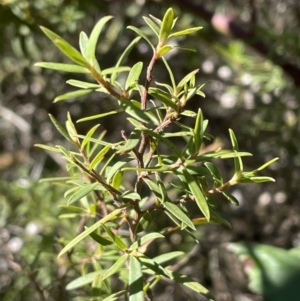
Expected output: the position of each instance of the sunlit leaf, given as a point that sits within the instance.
(89, 230)
(63, 67)
(84, 280)
(166, 26)
(116, 266)
(198, 194)
(179, 214)
(73, 94)
(82, 192)
(82, 84)
(184, 32)
(140, 33)
(60, 128)
(133, 76)
(148, 237)
(91, 48)
(152, 25)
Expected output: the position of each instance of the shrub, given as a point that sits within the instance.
(160, 165)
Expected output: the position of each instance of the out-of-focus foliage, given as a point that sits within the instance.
(248, 91)
(273, 272)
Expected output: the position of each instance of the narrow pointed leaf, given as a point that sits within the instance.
(185, 32)
(82, 84)
(115, 238)
(164, 97)
(48, 147)
(145, 239)
(82, 192)
(115, 296)
(100, 239)
(100, 115)
(63, 67)
(193, 285)
(60, 128)
(116, 266)
(65, 47)
(197, 193)
(99, 157)
(84, 280)
(73, 94)
(179, 214)
(238, 164)
(131, 143)
(167, 257)
(136, 282)
(134, 111)
(140, 33)
(83, 44)
(90, 133)
(166, 26)
(133, 76)
(152, 25)
(123, 57)
(170, 73)
(164, 50)
(91, 48)
(89, 230)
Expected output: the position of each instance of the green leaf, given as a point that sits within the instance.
(83, 44)
(83, 280)
(89, 230)
(193, 285)
(115, 238)
(167, 257)
(115, 296)
(198, 132)
(91, 48)
(133, 76)
(231, 198)
(153, 266)
(197, 193)
(89, 134)
(184, 32)
(141, 241)
(165, 141)
(134, 111)
(141, 33)
(117, 179)
(48, 147)
(73, 94)
(82, 84)
(144, 222)
(100, 115)
(166, 26)
(131, 143)
(112, 70)
(63, 67)
(164, 97)
(136, 281)
(100, 239)
(116, 266)
(152, 25)
(170, 73)
(186, 79)
(60, 128)
(131, 195)
(65, 47)
(238, 163)
(82, 192)
(117, 166)
(99, 157)
(179, 214)
(214, 172)
(164, 50)
(123, 57)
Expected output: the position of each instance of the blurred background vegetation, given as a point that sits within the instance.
(248, 55)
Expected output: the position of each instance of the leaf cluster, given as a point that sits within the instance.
(122, 211)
